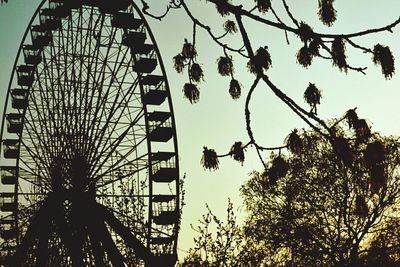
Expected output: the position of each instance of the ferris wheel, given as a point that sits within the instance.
(89, 160)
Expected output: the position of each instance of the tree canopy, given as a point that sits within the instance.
(322, 210)
(315, 207)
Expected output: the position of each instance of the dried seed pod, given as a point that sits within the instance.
(191, 92)
(260, 61)
(362, 129)
(196, 73)
(225, 66)
(209, 160)
(361, 209)
(235, 89)
(293, 142)
(343, 151)
(304, 57)
(279, 166)
(237, 152)
(314, 46)
(338, 54)
(263, 5)
(374, 154)
(230, 26)
(384, 57)
(222, 7)
(326, 12)
(306, 33)
(179, 63)
(188, 50)
(352, 118)
(312, 96)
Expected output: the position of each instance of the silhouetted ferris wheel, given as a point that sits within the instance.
(89, 162)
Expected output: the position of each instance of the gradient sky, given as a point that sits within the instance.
(217, 121)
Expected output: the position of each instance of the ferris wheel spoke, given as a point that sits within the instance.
(44, 121)
(118, 139)
(85, 96)
(119, 177)
(43, 137)
(77, 75)
(110, 149)
(37, 157)
(40, 217)
(111, 110)
(99, 110)
(110, 145)
(97, 247)
(92, 68)
(111, 126)
(51, 68)
(124, 232)
(112, 251)
(139, 225)
(66, 236)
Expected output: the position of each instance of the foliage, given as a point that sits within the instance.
(324, 212)
(219, 249)
(313, 207)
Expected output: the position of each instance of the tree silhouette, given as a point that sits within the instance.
(315, 208)
(219, 249)
(322, 208)
(326, 46)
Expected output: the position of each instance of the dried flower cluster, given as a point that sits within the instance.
(312, 96)
(384, 57)
(343, 151)
(352, 118)
(263, 5)
(304, 56)
(187, 58)
(278, 169)
(362, 129)
(360, 126)
(225, 66)
(191, 92)
(279, 166)
(260, 61)
(237, 152)
(222, 7)
(179, 63)
(314, 45)
(209, 159)
(326, 12)
(235, 89)
(293, 142)
(230, 26)
(306, 33)
(338, 54)
(311, 46)
(188, 50)
(196, 73)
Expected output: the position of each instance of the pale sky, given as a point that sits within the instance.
(217, 121)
